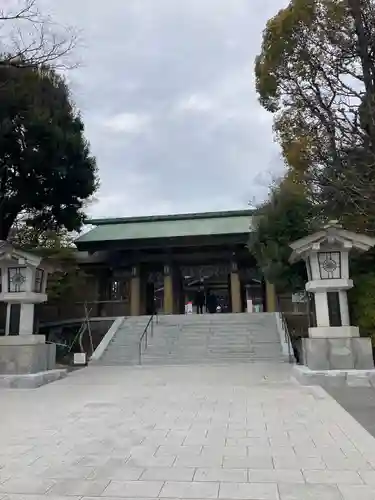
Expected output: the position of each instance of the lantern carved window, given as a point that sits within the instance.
(329, 265)
(17, 279)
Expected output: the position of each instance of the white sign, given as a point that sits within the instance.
(79, 358)
(189, 308)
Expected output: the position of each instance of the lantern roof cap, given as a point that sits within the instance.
(9, 252)
(332, 235)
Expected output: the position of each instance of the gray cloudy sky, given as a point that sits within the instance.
(166, 88)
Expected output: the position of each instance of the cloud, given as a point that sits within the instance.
(195, 103)
(167, 93)
(131, 123)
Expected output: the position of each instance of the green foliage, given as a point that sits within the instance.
(65, 283)
(362, 303)
(362, 296)
(287, 216)
(46, 171)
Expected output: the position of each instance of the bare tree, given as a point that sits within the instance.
(28, 37)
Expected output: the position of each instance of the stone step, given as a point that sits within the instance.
(212, 339)
(206, 361)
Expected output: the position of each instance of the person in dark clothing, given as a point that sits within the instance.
(199, 300)
(211, 303)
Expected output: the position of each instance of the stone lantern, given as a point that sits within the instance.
(333, 343)
(23, 281)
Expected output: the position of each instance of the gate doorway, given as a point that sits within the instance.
(213, 281)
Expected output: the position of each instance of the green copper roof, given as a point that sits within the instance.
(168, 226)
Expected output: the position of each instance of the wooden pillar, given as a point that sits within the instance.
(235, 287)
(135, 292)
(270, 297)
(168, 289)
(176, 279)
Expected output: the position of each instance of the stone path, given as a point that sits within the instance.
(194, 432)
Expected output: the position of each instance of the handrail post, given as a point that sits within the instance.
(288, 338)
(145, 336)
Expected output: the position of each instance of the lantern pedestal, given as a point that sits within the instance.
(25, 354)
(346, 353)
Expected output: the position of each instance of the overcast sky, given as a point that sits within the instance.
(166, 88)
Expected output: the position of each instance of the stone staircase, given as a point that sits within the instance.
(123, 348)
(198, 339)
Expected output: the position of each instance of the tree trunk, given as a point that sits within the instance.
(368, 67)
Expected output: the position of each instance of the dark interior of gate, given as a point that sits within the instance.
(212, 279)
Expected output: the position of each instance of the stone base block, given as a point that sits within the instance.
(330, 379)
(333, 332)
(26, 359)
(338, 353)
(363, 355)
(22, 340)
(31, 380)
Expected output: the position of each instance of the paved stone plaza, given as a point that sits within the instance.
(227, 432)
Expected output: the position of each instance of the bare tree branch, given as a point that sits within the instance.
(30, 38)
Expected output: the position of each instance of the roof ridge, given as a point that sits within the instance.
(183, 216)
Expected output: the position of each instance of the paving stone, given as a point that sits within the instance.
(69, 472)
(145, 489)
(332, 477)
(311, 492)
(93, 460)
(38, 497)
(222, 475)
(122, 473)
(248, 441)
(368, 477)
(229, 451)
(236, 433)
(200, 461)
(244, 491)
(26, 485)
(168, 474)
(275, 476)
(74, 487)
(106, 498)
(179, 451)
(145, 462)
(285, 462)
(357, 492)
(259, 461)
(196, 490)
(347, 464)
